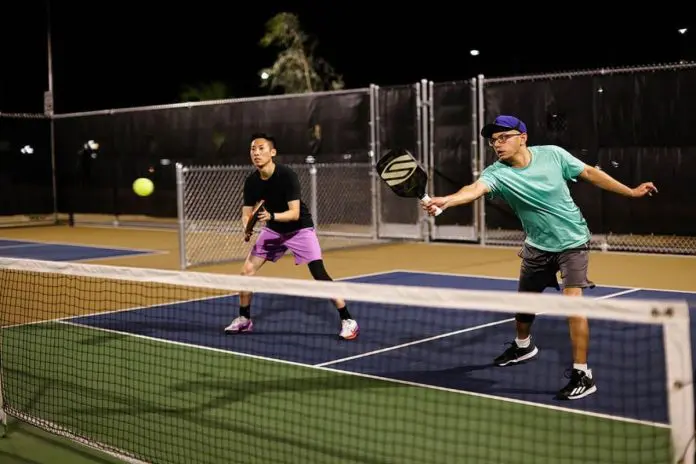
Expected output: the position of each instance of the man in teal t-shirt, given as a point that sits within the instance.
(539, 195)
(534, 182)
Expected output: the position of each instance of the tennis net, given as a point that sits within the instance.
(134, 362)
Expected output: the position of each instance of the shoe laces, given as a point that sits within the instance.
(513, 346)
(573, 374)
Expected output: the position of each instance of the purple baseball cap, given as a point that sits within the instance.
(501, 124)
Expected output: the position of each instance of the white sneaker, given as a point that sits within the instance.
(349, 329)
(240, 324)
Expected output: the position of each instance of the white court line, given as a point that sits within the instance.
(159, 305)
(114, 311)
(136, 252)
(130, 255)
(171, 228)
(513, 247)
(375, 377)
(80, 245)
(449, 334)
(23, 245)
(488, 277)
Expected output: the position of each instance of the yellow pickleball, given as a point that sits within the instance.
(143, 187)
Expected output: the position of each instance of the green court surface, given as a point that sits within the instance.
(182, 404)
(25, 444)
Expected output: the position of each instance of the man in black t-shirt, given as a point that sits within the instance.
(289, 227)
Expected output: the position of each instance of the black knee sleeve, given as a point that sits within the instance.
(525, 318)
(318, 271)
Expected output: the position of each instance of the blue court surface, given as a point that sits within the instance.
(25, 249)
(430, 347)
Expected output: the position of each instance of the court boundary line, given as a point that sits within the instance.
(21, 245)
(157, 305)
(373, 377)
(133, 255)
(449, 334)
(83, 245)
(154, 228)
(476, 276)
(115, 311)
(136, 253)
(476, 245)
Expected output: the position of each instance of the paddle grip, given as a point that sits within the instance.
(425, 198)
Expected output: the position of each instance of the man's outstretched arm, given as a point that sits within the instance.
(467, 194)
(604, 181)
(463, 196)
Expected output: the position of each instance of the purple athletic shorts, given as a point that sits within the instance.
(303, 244)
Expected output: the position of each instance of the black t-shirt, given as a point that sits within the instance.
(282, 187)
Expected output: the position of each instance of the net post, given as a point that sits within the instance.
(680, 388)
(180, 186)
(3, 414)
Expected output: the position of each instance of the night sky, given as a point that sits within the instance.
(127, 53)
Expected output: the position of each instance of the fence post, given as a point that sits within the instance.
(480, 122)
(313, 203)
(180, 186)
(374, 192)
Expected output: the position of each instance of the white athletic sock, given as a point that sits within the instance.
(583, 367)
(523, 343)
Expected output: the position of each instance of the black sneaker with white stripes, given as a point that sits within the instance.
(580, 386)
(516, 354)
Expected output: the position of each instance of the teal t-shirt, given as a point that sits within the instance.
(539, 195)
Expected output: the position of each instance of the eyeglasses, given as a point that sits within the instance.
(501, 138)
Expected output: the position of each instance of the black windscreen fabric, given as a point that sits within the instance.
(148, 143)
(26, 173)
(453, 152)
(634, 126)
(398, 128)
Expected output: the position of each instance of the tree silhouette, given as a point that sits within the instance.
(297, 68)
(215, 90)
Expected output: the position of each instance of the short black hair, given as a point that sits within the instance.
(263, 135)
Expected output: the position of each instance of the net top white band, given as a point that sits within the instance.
(623, 309)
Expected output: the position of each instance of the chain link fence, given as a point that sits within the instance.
(340, 197)
(511, 234)
(633, 123)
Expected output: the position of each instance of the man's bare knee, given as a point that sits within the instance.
(572, 291)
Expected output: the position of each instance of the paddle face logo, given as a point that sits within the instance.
(399, 169)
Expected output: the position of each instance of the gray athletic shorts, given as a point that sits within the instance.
(539, 268)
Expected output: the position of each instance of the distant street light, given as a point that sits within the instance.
(264, 75)
(474, 52)
(682, 31)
